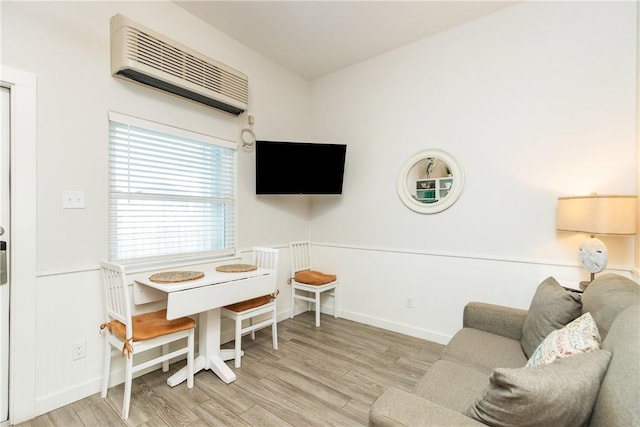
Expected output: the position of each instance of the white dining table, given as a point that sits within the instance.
(204, 297)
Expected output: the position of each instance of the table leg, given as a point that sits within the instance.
(210, 356)
(181, 374)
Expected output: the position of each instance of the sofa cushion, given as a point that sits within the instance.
(484, 350)
(578, 336)
(497, 319)
(618, 402)
(607, 296)
(452, 385)
(551, 308)
(561, 393)
(396, 408)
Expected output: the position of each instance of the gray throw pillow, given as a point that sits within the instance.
(561, 393)
(552, 307)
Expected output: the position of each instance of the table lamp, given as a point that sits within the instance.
(595, 214)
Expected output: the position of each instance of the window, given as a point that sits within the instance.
(172, 192)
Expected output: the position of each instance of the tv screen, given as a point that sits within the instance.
(299, 167)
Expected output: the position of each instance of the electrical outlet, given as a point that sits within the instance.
(409, 302)
(78, 350)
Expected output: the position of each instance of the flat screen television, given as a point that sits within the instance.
(299, 167)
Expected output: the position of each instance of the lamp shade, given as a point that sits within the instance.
(597, 214)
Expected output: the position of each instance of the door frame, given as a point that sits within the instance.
(5, 222)
(22, 301)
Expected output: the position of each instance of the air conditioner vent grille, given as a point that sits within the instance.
(144, 56)
(152, 52)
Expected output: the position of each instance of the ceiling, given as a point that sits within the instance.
(314, 38)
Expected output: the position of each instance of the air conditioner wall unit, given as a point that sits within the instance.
(147, 57)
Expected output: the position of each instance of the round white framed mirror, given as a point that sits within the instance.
(430, 181)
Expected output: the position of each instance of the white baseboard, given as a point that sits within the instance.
(396, 327)
(401, 328)
(64, 397)
(73, 394)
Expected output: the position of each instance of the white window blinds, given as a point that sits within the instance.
(172, 193)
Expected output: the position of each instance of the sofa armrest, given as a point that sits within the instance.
(399, 408)
(497, 319)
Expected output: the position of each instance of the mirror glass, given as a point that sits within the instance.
(430, 181)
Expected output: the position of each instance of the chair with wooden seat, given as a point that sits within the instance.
(304, 278)
(132, 335)
(266, 258)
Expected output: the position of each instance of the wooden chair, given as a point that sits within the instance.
(263, 258)
(304, 278)
(132, 335)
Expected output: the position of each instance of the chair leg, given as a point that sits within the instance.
(238, 344)
(253, 333)
(274, 328)
(128, 377)
(317, 309)
(293, 302)
(106, 370)
(335, 302)
(165, 364)
(190, 343)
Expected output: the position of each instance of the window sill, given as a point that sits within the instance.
(170, 263)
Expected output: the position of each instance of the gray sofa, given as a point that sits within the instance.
(481, 374)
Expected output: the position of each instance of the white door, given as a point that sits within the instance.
(4, 246)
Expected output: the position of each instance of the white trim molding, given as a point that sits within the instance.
(23, 346)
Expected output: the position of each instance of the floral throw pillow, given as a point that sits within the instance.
(578, 336)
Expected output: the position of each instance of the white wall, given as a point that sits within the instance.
(535, 101)
(66, 45)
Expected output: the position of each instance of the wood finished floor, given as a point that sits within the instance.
(319, 376)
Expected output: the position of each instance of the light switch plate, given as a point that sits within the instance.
(73, 199)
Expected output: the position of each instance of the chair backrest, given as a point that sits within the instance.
(300, 255)
(265, 258)
(117, 294)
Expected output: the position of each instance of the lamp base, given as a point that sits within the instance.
(585, 283)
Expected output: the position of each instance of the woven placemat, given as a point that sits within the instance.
(236, 268)
(176, 276)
